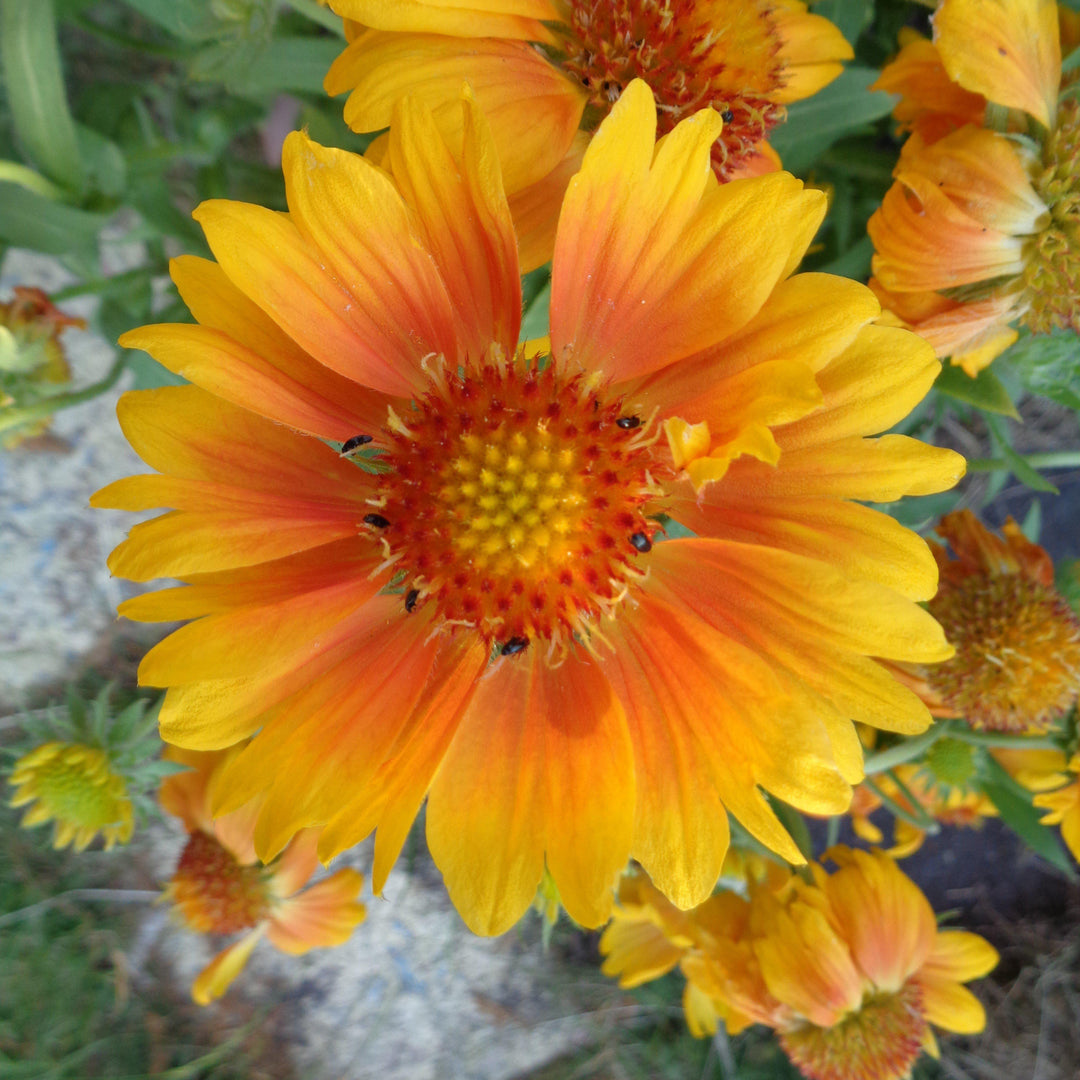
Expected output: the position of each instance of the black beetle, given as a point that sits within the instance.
(349, 445)
(514, 646)
(410, 600)
(628, 423)
(377, 520)
(641, 542)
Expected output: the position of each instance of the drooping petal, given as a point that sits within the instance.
(960, 955)
(320, 917)
(948, 1005)
(541, 769)
(219, 974)
(1007, 50)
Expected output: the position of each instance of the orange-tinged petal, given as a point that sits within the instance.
(320, 917)
(217, 363)
(887, 922)
(960, 955)
(541, 768)
(636, 952)
(520, 19)
(219, 974)
(357, 225)
(463, 220)
(535, 208)
(218, 304)
(533, 109)
(949, 1005)
(185, 795)
(293, 869)
(392, 799)
(642, 273)
(1007, 50)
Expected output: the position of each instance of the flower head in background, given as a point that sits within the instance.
(849, 969)
(546, 72)
(940, 787)
(1017, 662)
(219, 886)
(1063, 804)
(32, 362)
(73, 786)
(981, 230)
(484, 614)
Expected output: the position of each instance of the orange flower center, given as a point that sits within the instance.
(693, 53)
(214, 893)
(882, 1040)
(515, 502)
(1017, 663)
(1052, 274)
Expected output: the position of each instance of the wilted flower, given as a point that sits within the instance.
(982, 228)
(219, 886)
(1017, 662)
(547, 72)
(485, 614)
(32, 362)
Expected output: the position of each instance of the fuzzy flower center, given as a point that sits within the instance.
(692, 53)
(1052, 274)
(1017, 663)
(76, 786)
(881, 1040)
(515, 503)
(213, 892)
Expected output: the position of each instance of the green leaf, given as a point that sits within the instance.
(853, 263)
(1067, 582)
(106, 169)
(842, 108)
(534, 324)
(35, 90)
(1048, 364)
(985, 391)
(297, 64)
(28, 220)
(190, 20)
(1014, 805)
(1020, 468)
(851, 17)
(795, 824)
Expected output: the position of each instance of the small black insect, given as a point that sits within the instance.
(349, 445)
(514, 646)
(727, 116)
(628, 423)
(377, 520)
(641, 542)
(410, 600)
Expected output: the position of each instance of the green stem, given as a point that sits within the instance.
(13, 418)
(1059, 459)
(33, 181)
(103, 284)
(314, 11)
(121, 896)
(1001, 741)
(123, 41)
(930, 825)
(908, 750)
(922, 823)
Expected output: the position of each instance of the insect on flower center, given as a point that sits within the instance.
(1017, 662)
(693, 54)
(515, 503)
(215, 893)
(882, 1039)
(1052, 274)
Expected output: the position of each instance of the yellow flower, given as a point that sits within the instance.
(849, 969)
(982, 228)
(547, 71)
(73, 786)
(1057, 783)
(1017, 662)
(219, 887)
(485, 615)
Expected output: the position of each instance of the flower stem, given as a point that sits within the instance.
(1057, 459)
(121, 896)
(907, 750)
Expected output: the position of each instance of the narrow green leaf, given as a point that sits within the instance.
(535, 322)
(1014, 805)
(795, 824)
(35, 90)
(843, 107)
(28, 220)
(1020, 468)
(297, 64)
(985, 391)
(190, 20)
(103, 160)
